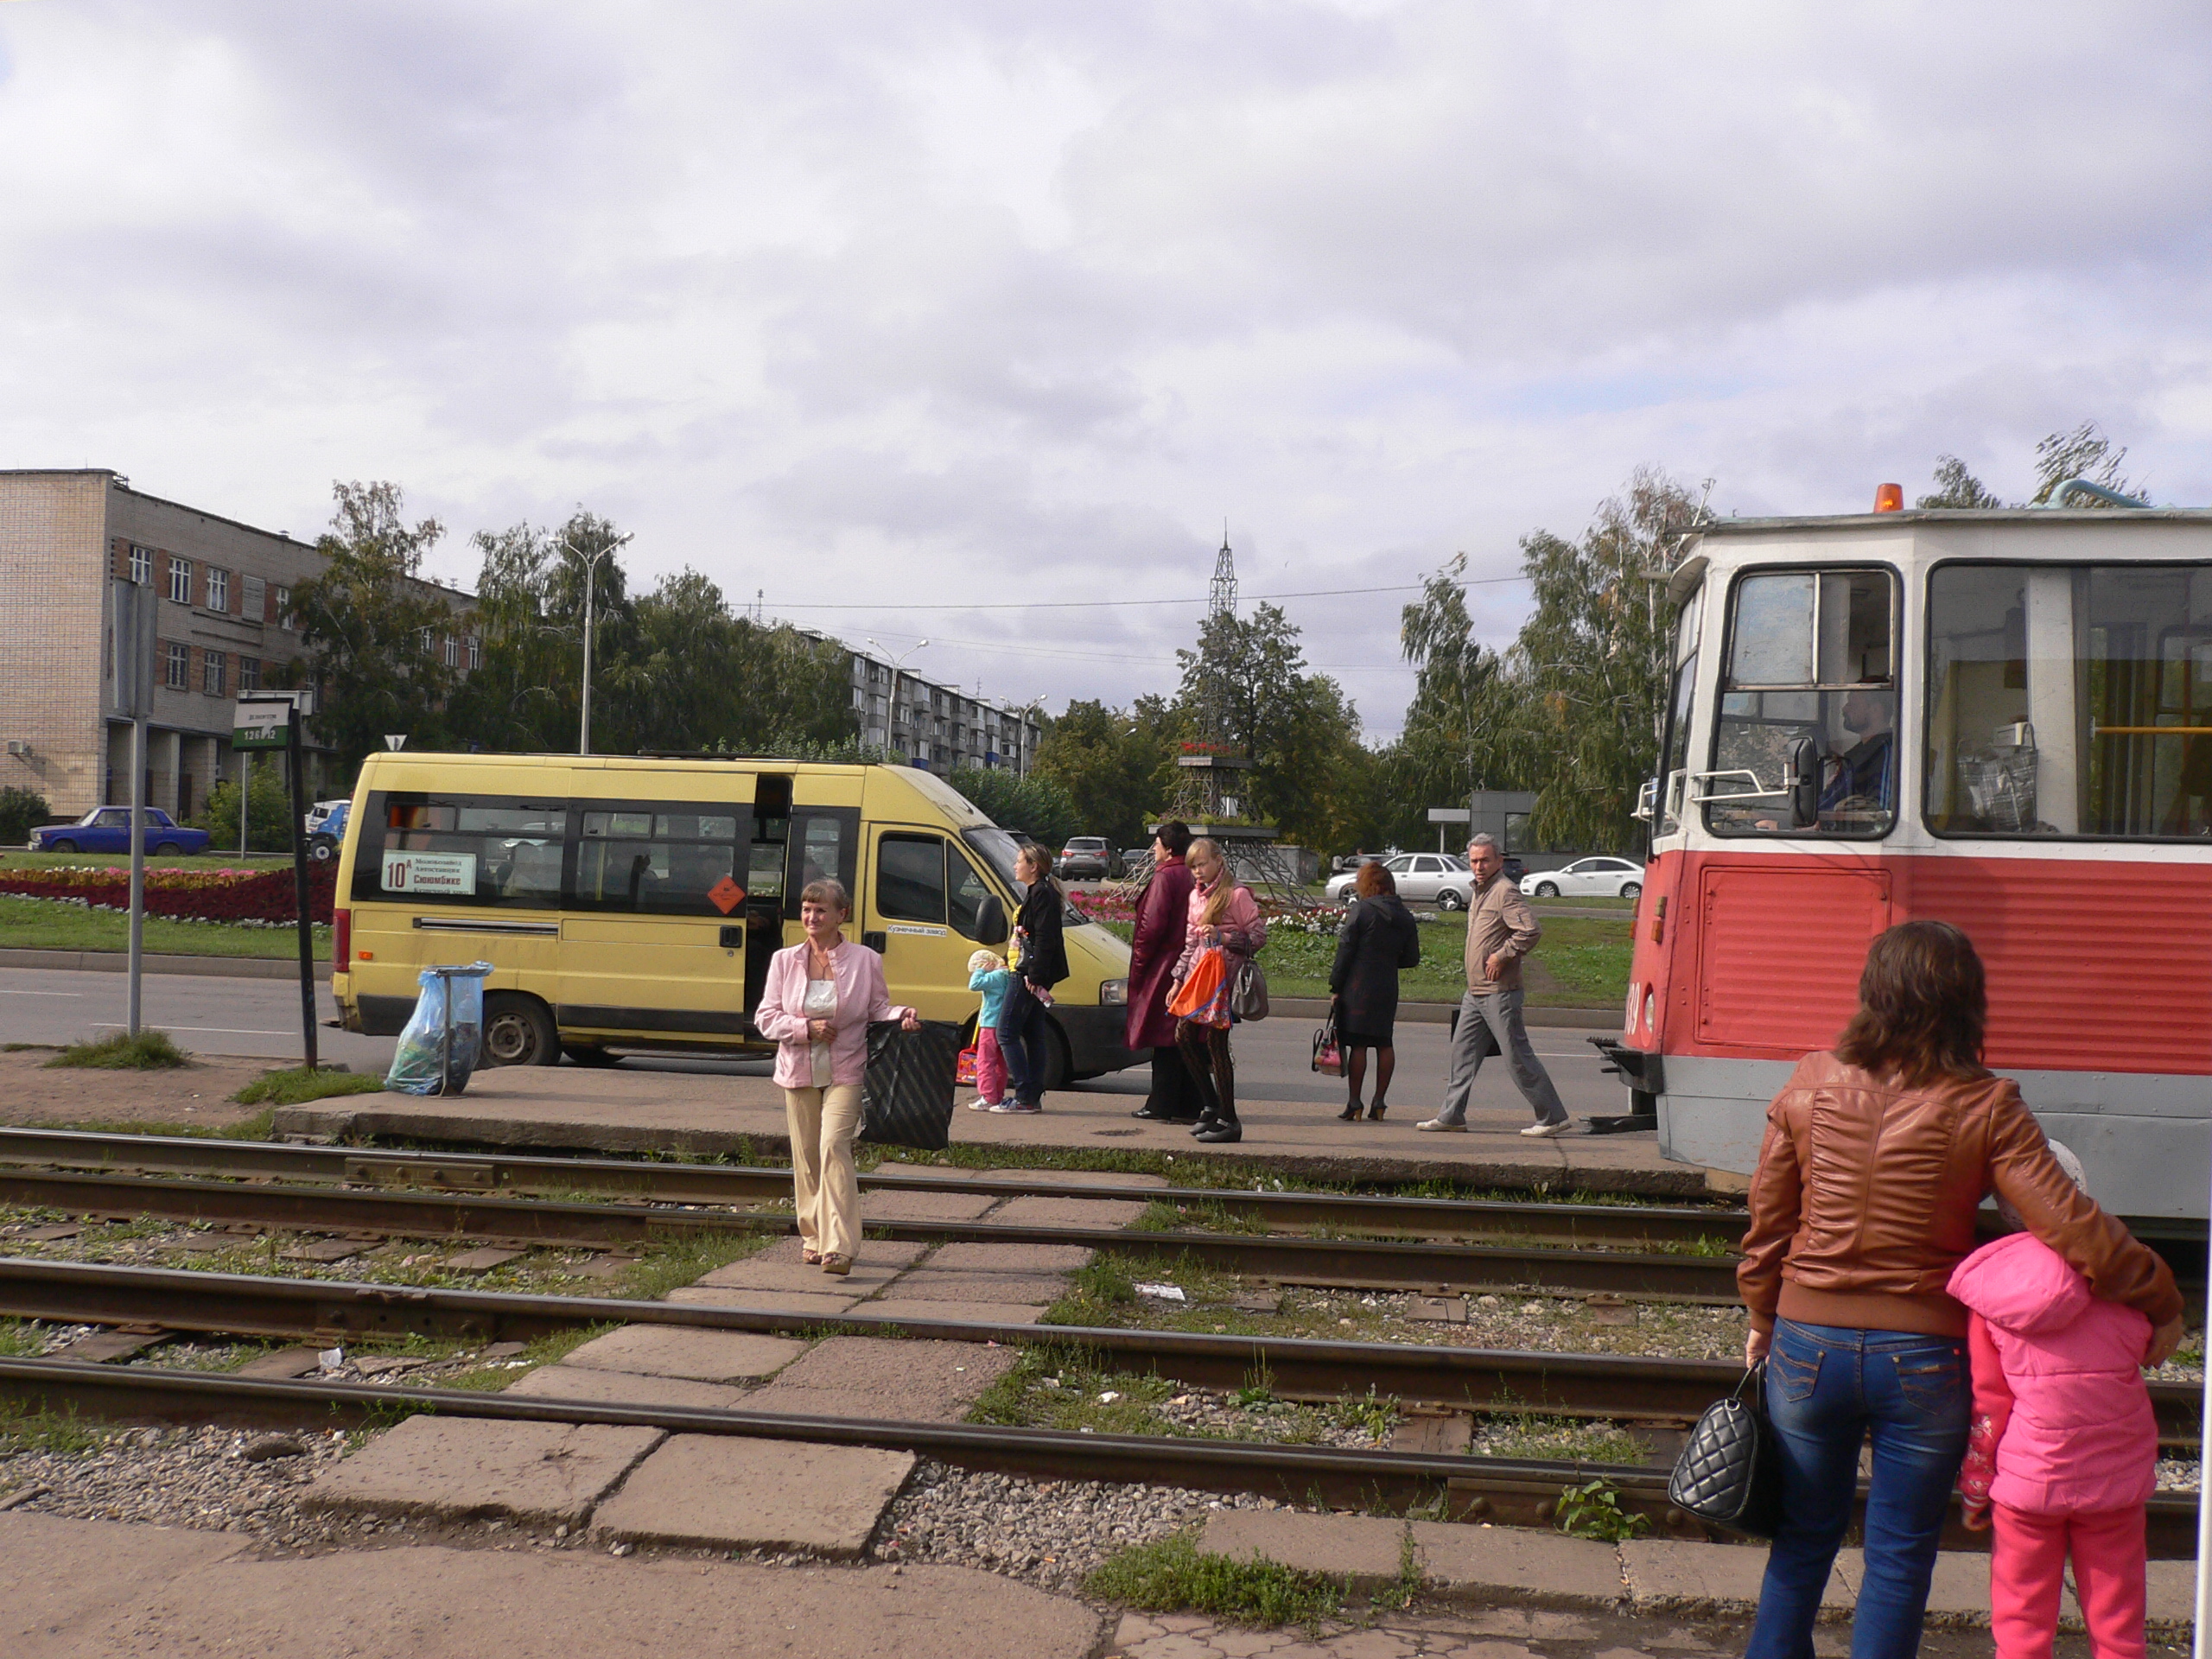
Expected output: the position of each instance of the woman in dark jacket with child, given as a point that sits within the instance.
(1378, 941)
(1027, 1039)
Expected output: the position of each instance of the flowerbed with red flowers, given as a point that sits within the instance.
(261, 898)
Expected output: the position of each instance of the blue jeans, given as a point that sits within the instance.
(1826, 1388)
(1024, 1040)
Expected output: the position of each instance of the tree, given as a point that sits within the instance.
(372, 627)
(22, 811)
(268, 810)
(1462, 730)
(1036, 806)
(2085, 452)
(1114, 766)
(1957, 487)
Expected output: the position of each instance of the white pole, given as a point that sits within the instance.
(583, 736)
(245, 790)
(137, 864)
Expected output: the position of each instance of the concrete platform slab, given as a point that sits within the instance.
(623, 1389)
(1367, 1549)
(1088, 1178)
(1008, 1258)
(877, 1205)
(873, 1253)
(1537, 1569)
(855, 1405)
(924, 1286)
(677, 1351)
(141, 1590)
(770, 1302)
(713, 1492)
(463, 1468)
(916, 1307)
(1698, 1581)
(902, 1376)
(1030, 1212)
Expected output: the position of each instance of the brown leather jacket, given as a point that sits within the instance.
(1864, 1199)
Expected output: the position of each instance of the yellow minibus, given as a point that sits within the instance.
(632, 904)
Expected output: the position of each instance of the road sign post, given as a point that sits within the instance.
(132, 609)
(273, 721)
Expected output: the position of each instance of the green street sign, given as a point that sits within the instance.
(260, 725)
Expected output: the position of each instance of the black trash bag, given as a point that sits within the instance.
(907, 1098)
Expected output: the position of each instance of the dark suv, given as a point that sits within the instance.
(1086, 858)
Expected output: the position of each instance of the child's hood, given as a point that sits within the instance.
(2018, 1283)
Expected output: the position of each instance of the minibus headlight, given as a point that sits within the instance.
(1114, 994)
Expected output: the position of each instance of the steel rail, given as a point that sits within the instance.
(1617, 1387)
(1361, 1264)
(722, 1184)
(1514, 1491)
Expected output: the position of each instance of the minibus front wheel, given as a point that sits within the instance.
(518, 1030)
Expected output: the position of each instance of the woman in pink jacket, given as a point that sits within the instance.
(2064, 1448)
(820, 998)
(1221, 915)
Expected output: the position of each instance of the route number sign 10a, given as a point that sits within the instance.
(447, 873)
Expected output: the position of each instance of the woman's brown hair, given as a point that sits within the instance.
(1224, 887)
(1372, 879)
(1922, 1007)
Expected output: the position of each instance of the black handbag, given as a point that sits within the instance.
(1730, 1470)
(907, 1100)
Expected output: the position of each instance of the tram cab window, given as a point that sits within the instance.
(2069, 700)
(1806, 738)
(1681, 715)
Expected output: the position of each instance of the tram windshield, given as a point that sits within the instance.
(2070, 700)
(1806, 738)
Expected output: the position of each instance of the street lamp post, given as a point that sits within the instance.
(898, 665)
(591, 569)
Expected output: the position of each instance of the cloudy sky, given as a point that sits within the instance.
(904, 304)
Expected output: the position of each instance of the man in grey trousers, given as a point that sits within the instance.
(1501, 930)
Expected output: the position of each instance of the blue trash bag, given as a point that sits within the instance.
(423, 1063)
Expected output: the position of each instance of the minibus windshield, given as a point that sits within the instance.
(999, 850)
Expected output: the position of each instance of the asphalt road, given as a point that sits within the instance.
(261, 1018)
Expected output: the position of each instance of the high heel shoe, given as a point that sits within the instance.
(1351, 1113)
(1206, 1125)
(1223, 1134)
(1374, 1112)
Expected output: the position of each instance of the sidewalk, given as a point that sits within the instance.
(574, 1108)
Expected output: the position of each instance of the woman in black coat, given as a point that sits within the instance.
(1027, 1039)
(1379, 939)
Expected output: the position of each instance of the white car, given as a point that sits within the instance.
(1437, 878)
(1586, 878)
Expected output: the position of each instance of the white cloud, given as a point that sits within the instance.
(909, 302)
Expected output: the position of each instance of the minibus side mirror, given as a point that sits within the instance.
(990, 920)
(1804, 784)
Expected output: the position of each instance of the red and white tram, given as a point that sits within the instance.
(2001, 720)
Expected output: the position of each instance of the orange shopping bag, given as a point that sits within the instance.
(1200, 986)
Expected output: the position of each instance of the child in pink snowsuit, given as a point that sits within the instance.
(2064, 1447)
(987, 973)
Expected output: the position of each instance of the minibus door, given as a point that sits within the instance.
(925, 911)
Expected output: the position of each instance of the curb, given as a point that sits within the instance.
(117, 962)
(1440, 1014)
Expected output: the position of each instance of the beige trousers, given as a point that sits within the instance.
(823, 1122)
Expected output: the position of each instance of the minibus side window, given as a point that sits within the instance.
(462, 849)
(965, 891)
(1809, 679)
(909, 878)
(2069, 700)
(825, 843)
(657, 859)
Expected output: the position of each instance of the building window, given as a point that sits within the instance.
(177, 668)
(284, 618)
(475, 652)
(422, 642)
(142, 565)
(218, 590)
(180, 580)
(453, 651)
(253, 599)
(248, 673)
(212, 680)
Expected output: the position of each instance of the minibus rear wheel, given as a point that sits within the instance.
(518, 1031)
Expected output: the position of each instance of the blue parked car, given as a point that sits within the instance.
(107, 830)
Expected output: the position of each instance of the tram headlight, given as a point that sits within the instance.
(1651, 1011)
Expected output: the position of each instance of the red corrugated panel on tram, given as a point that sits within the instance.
(1781, 951)
(2104, 967)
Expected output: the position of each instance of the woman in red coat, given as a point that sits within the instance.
(1156, 941)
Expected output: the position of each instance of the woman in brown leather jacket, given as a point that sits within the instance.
(1875, 1160)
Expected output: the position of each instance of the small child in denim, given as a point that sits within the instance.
(989, 974)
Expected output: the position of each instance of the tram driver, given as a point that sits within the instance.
(1858, 782)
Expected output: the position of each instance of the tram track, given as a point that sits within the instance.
(1535, 1222)
(1363, 1263)
(1433, 1375)
(1510, 1490)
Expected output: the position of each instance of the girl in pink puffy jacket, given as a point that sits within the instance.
(2064, 1448)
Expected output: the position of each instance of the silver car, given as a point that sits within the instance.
(1586, 878)
(1438, 879)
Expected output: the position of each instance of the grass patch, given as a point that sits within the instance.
(23, 1428)
(546, 1351)
(1171, 1575)
(256, 1127)
(50, 924)
(150, 1051)
(1560, 1440)
(296, 1085)
(1594, 1511)
(681, 1262)
(20, 1340)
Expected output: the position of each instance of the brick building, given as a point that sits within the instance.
(225, 622)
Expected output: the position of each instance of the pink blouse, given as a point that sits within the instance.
(862, 997)
(1241, 931)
